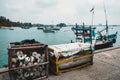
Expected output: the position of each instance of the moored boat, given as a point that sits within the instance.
(87, 34)
(48, 29)
(41, 27)
(56, 28)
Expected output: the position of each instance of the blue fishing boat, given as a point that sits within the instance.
(99, 40)
(87, 34)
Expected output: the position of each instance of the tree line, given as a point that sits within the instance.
(7, 22)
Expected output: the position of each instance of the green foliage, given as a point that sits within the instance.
(6, 22)
(38, 25)
(61, 24)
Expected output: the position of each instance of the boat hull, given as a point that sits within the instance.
(48, 31)
(104, 45)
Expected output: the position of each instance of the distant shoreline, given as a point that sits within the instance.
(7, 27)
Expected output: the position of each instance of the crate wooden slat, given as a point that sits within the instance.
(40, 68)
(58, 62)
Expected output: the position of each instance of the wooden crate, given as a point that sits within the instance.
(60, 64)
(28, 61)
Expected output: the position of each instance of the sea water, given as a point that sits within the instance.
(64, 35)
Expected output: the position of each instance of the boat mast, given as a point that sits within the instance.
(92, 10)
(106, 18)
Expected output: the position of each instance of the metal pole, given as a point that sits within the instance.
(92, 18)
(106, 18)
(91, 34)
(84, 32)
(91, 25)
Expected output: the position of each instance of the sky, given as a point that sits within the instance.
(57, 11)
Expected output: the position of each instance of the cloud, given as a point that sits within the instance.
(55, 11)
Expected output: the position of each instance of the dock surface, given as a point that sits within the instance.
(106, 66)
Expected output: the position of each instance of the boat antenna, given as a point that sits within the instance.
(105, 17)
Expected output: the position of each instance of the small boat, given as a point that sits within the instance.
(25, 27)
(11, 29)
(48, 29)
(56, 28)
(38, 28)
(41, 27)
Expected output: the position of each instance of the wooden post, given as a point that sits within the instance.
(57, 70)
(47, 59)
(9, 62)
(76, 32)
(91, 44)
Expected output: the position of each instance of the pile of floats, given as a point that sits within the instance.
(32, 60)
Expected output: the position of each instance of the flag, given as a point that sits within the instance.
(92, 9)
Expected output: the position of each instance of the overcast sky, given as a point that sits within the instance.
(56, 11)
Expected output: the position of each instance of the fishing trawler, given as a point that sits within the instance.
(99, 40)
(87, 34)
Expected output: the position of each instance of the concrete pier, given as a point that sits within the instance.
(106, 66)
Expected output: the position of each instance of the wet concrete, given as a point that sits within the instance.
(106, 66)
